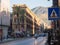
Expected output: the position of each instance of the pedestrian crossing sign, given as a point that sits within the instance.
(53, 14)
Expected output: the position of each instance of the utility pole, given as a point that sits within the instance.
(55, 5)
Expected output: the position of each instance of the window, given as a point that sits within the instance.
(29, 15)
(14, 20)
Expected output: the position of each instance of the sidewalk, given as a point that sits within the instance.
(7, 40)
(12, 39)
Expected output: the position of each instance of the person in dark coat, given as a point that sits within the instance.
(49, 38)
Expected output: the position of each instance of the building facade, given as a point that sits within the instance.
(25, 19)
(4, 16)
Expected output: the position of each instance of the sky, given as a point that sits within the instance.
(31, 3)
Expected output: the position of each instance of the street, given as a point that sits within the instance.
(29, 41)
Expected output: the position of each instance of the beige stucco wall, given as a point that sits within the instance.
(59, 3)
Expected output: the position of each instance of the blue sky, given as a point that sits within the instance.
(31, 3)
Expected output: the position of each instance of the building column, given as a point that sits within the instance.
(33, 27)
(25, 22)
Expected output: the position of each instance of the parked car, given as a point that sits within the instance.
(43, 34)
(36, 36)
(17, 34)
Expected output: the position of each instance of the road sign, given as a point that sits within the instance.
(53, 14)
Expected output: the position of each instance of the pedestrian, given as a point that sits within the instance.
(49, 38)
(58, 37)
(0, 34)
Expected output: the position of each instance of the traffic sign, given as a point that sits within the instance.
(53, 14)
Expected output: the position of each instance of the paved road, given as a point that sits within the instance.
(30, 41)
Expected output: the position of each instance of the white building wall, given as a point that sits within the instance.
(4, 12)
(5, 15)
(5, 5)
(5, 32)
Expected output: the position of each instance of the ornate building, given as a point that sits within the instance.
(24, 18)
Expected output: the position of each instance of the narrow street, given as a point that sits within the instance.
(30, 22)
(30, 41)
